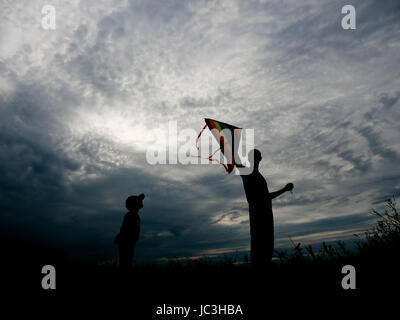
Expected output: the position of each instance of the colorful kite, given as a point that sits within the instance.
(226, 144)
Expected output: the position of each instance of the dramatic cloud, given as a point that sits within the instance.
(80, 105)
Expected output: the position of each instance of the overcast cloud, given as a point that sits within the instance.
(80, 105)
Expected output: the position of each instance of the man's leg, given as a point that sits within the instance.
(253, 251)
(270, 248)
(257, 251)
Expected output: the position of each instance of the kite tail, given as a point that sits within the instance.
(210, 158)
(198, 137)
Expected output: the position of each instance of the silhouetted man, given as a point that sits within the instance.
(260, 209)
(129, 232)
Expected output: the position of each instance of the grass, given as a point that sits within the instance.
(302, 273)
(381, 242)
(378, 242)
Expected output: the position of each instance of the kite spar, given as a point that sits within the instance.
(226, 144)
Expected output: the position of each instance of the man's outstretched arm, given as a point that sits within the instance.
(288, 187)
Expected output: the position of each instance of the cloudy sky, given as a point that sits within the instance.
(80, 105)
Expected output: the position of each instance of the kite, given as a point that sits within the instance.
(226, 144)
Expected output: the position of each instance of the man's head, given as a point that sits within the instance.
(254, 157)
(134, 203)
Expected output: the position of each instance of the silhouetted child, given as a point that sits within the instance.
(260, 209)
(129, 232)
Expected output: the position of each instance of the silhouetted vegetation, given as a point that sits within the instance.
(381, 241)
(304, 275)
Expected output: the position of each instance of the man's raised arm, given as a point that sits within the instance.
(288, 187)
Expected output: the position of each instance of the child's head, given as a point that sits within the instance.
(134, 203)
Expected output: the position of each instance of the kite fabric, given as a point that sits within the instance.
(227, 147)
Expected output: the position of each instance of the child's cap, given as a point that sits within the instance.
(132, 201)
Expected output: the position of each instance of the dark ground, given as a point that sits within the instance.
(287, 289)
